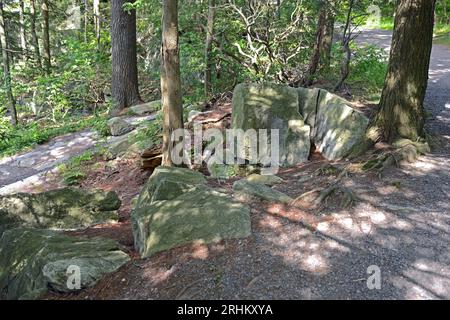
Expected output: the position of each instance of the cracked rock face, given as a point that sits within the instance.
(271, 106)
(303, 117)
(337, 129)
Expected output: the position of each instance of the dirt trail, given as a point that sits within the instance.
(19, 171)
(401, 227)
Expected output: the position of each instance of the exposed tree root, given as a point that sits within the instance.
(317, 198)
(406, 151)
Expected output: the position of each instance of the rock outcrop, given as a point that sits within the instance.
(337, 128)
(119, 127)
(68, 208)
(272, 106)
(177, 208)
(247, 191)
(33, 260)
(146, 108)
(303, 117)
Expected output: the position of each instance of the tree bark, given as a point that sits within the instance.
(315, 56)
(170, 78)
(34, 37)
(124, 86)
(346, 38)
(23, 37)
(6, 67)
(327, 40)
(401, 112)
(97, 23)
(46, 36)
(208, 47)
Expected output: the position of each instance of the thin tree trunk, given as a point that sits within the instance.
(6, 67)
(46, 36)
(208, 47)
(170, 78)
(315, 56)
(86, 20)
(401, 111)
(23, 37)
(346, 38)
(34, 37)
(124, 86)
(97, 22)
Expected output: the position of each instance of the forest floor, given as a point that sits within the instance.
(401, 223)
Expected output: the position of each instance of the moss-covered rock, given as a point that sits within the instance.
(32, 261)
(269, 180)
(245, 190)
(118, 126)
(272, 106)
(200, 215)
(146, 108)
(167, 183)
(68, 208)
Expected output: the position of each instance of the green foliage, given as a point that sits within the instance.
(75, 171)
(25, 136)
(369, 67)
(151, 135)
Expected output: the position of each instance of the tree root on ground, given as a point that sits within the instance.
(317, 198)
(406, 151)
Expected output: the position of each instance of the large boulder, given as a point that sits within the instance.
(119, 127)
(272, 106)
(32, 261)
(198, 215)
(68, 208)
(167, 183)
(338, 130)
(247, 191)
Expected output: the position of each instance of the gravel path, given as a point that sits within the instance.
(19, 171)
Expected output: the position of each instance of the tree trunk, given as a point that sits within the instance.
(46, 36)
(346, 38)
(401, 112)
(34, 37)
(170, 78)
(327, 40)
(315, 56)
(97, 22)
(23, 37)
(124, 86)
(86, 20)
(208, 47)
(6, 69)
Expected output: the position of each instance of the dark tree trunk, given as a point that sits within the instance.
(170, 78)
(208, 47)
(6, 67)
(23, 37)
(124, 86)
(327, 40)
(34, 37)
(315, 56)
(46, 36)
(401, 112)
